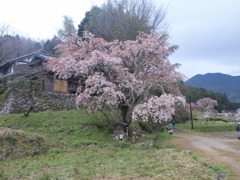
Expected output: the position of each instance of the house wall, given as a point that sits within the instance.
(1, 71)
(22, 68)
(5, 71)
(60, 86)
(48, 84)
(73, 85)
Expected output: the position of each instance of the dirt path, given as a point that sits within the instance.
(223, 149)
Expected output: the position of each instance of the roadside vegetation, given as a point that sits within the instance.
(208, 126)
(75, 147)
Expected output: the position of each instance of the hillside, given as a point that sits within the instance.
(198, 93)
(217, 82)
(69, 145)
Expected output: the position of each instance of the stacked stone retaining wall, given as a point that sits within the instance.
(17, 102)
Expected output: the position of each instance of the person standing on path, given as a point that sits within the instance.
(174, 124)
(170, 129)
(238, 129)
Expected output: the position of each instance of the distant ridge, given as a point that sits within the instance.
(218, 82)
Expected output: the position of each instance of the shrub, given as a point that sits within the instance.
(211, 119)
(181, 114)
(145, 126)
(217, 119)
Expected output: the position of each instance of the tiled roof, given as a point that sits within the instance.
(40, 54)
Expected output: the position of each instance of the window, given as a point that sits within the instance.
(60, 86)
(8, 70)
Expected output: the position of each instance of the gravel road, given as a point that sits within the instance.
(219, 147)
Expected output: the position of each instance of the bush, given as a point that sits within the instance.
(145, 126)
(217, 119)
(210, 119)
(181, 114)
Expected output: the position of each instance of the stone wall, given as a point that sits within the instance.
(17, 102)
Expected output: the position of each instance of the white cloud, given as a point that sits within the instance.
(42, 19)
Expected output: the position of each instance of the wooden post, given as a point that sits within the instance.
(191, 112)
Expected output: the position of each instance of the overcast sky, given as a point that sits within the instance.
(207, 31)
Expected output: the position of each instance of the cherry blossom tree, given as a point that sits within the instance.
(238, 114)
(208, 105)
(132, 77)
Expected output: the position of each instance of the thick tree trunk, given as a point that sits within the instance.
(28, 111)
(124, 110)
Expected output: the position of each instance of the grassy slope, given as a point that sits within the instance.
(79, 150)
(208, 126)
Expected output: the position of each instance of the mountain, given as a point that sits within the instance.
(217, 82)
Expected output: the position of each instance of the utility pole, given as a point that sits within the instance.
(191, 112)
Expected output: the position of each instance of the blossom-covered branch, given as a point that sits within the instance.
(121, 74)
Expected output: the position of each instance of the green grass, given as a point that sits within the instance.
(110, 163)
(2, 97)
(70, 127)
(17, 144)
(209, 126)
(78, 149)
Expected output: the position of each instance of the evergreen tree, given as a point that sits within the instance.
(68, 28)
(199, 93)
(50, 45)
(122, 20)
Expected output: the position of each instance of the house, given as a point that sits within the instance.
(33, 63)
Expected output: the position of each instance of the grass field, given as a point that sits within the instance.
(73, 147)
(208, 126)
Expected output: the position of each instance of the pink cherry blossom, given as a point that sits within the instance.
(122, 74)
(207, 103)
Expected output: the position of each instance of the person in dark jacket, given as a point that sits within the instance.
(170, 129)
(174, 124)
(238, 129)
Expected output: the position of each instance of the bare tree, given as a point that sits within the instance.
(12, 46)
(34, 83)
(6, 43)
(28, 84)
(5, 30)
